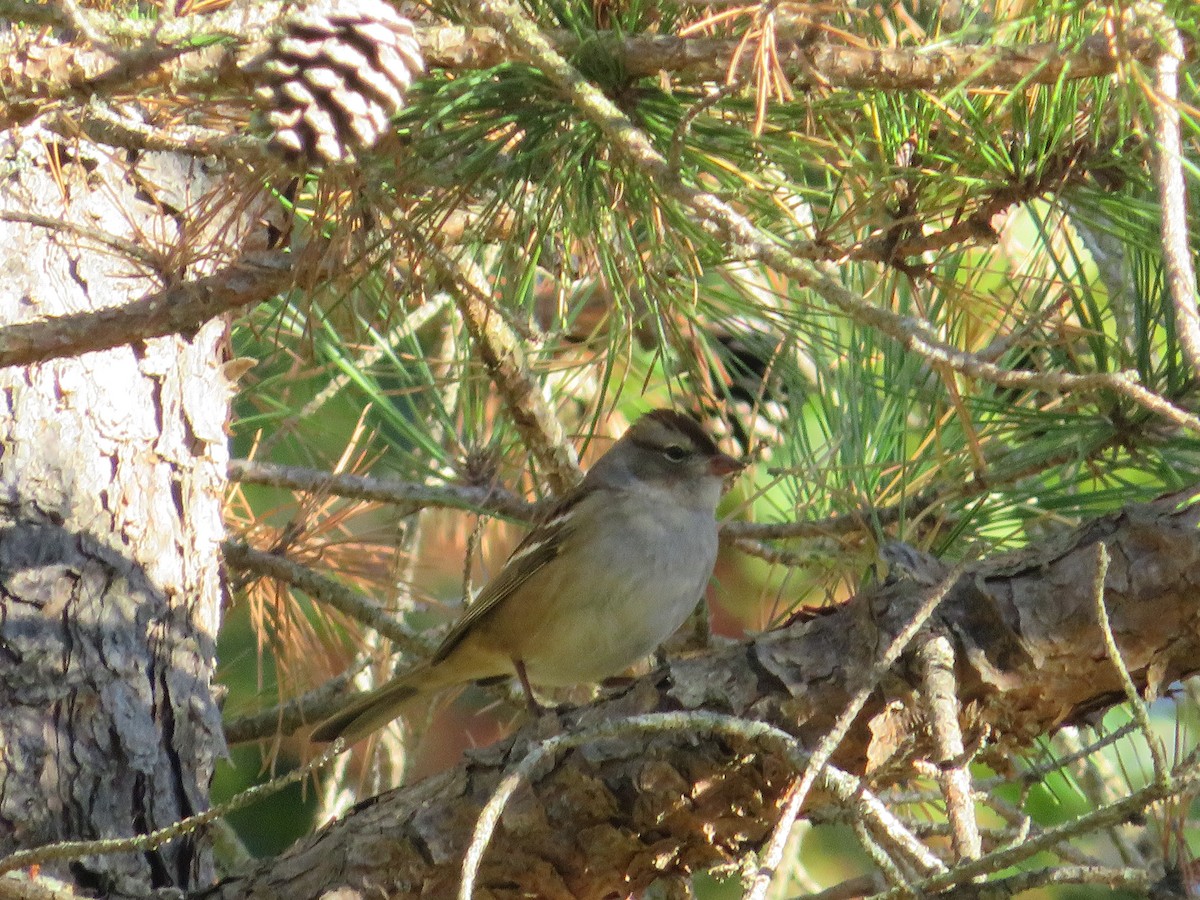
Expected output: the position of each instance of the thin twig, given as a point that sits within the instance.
(1101, 783)
(143, 843)
(935, 657)
(1022, 826)
(127, 248)
(698, 59)
(684, 125)
(850, 889)
(824, 751)
(891, 871)
(1134, 880)
(285, 718)
(498, 501)
(325, 590)
(494, 500)
(846, 788)
(1037, 773)
(105, 126)
(774, 555)
(891, 834)
(1136, 704)
(1121, 810)
(503, 355)
(1172, 189)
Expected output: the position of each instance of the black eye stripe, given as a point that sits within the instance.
(664, 449)
(662, 429)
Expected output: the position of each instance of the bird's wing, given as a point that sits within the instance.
(538, 547)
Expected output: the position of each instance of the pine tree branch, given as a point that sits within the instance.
(1172, 188)
(199, 53)
(502, 353)
(935, 658)
(499, 501)
(809, 63)
(471, 498)
(294, 714)
(619, 813)
(747, 242)
(177, 308)
(350, 603)
(1135, 881)
(1121, 810)
(67, 850)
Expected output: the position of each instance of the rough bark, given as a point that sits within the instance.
(609, 818)
(112, 475)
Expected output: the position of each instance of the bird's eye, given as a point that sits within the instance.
(675, 453)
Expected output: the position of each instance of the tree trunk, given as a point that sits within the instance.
(112, 473)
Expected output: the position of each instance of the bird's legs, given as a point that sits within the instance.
(530, 699)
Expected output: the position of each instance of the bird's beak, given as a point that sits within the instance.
(723, 464)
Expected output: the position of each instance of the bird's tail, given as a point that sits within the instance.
(367, 713)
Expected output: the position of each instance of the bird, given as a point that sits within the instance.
(610, 573)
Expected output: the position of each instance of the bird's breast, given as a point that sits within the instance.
(626, 585)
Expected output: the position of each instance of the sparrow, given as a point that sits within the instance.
(614, 569)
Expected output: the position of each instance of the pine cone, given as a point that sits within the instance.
(335, 76)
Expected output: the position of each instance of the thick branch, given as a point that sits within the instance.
(178, 308)
(614, 816)
(809, 63)
(182, 55)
